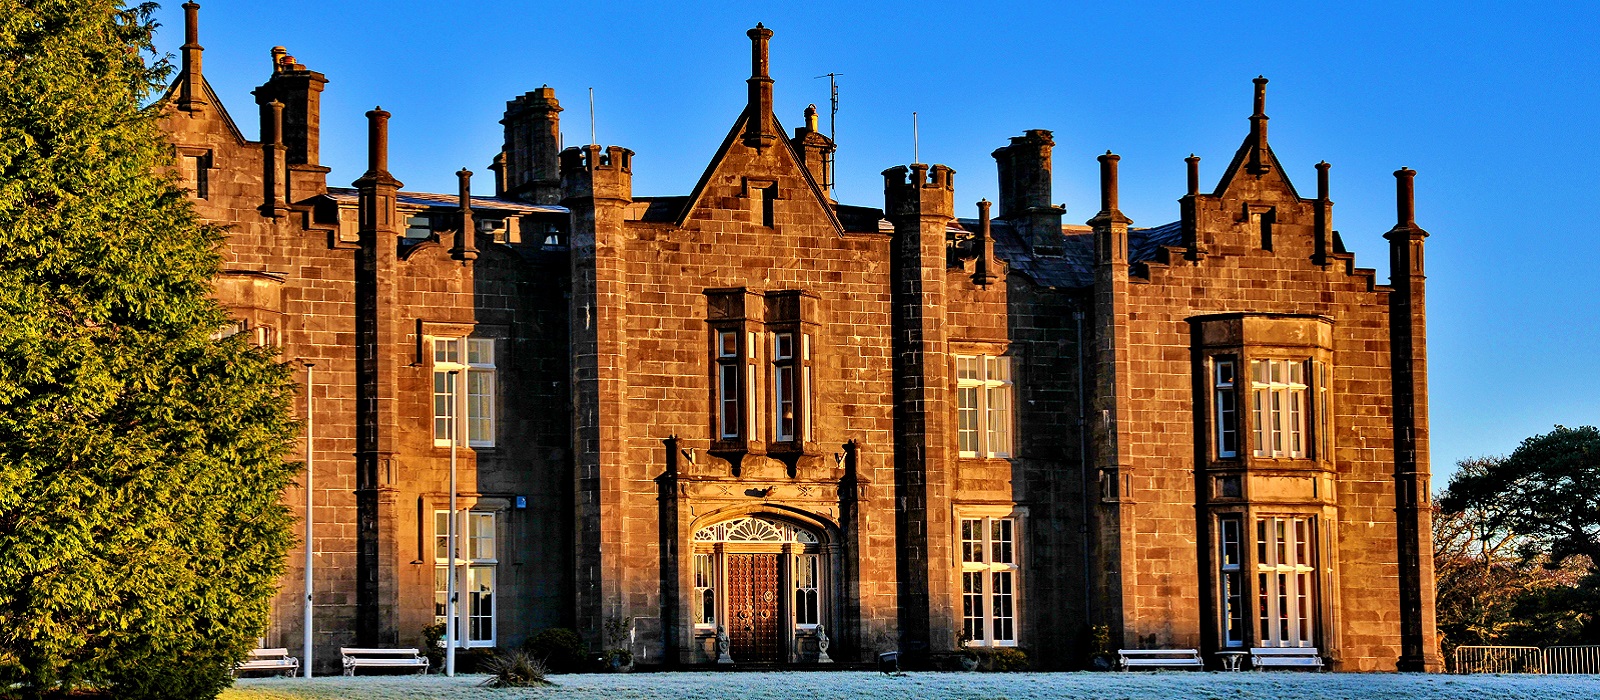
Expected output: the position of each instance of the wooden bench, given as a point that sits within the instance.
(355, 658)
(1263, 658)
(1152, 659)
(277, 660)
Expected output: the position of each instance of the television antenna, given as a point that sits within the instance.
(833, 117)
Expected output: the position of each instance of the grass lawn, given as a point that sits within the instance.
(966, 686)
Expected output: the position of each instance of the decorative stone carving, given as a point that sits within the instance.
(822, 645)
(722, 646)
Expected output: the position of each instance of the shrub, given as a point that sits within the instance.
(1004, 659)
(514, 669)
(433, 645)
(561, 650)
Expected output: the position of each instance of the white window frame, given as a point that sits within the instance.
(1286, 581)
(808, 571)
(730, 401)
(1232, 605)
(987, 563)
(1225, 402)
(784, 362)
(1278, 407)
(459, 399)
(705, 589)
(985, 406)
(469, 529)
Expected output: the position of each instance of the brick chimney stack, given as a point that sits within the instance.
(532, 148)
(1025, 191)
(758, 122)
(191, 89)
(1322, 223)
(299, 89)
(816, 151)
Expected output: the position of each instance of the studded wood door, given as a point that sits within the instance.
(753, 607)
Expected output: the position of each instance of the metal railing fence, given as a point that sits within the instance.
(1575, 659)
(1485, 659)
(1572, 659)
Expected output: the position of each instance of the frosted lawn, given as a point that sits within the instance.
(965, 686)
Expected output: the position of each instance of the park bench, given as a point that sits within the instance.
(1152, 659)
(277, 660)
(355, 658)
(1263, 658)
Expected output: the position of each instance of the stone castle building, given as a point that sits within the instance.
(755, 411)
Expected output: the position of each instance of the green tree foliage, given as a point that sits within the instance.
(1547, 492)
(141, 461)
(1514, 539)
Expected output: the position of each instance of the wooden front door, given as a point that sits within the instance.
(753, 607)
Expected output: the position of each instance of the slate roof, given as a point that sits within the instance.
(1074, 268)
(348, 195)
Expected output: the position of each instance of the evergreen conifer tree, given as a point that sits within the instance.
(142, 527)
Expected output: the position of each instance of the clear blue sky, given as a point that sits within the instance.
(1494, 105)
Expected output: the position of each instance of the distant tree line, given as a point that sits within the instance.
(1516, 540)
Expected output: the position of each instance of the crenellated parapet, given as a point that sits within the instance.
(919, 191)
(590, 171)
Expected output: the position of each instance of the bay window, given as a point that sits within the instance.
(730, 398)
(1230, 562)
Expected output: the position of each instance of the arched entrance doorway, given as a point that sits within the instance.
(762, 582)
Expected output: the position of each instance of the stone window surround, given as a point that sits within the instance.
(989, 348)
(431, 504)
(424, 334)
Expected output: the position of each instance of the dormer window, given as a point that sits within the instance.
(418, 226)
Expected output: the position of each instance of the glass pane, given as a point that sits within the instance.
(966, 367)
(1004, 617)
(447, 350)
(967, 419)
(441, 593)
(783, 390)
(1000, 541)
(480, 351)
(1225, 373)
(730, 400)
(444, 405)
(441, 535)
(784, 346)
(728, 344)
(482, 542)
(1302, 540)
(480, 604)
(999, 420)
(971, 540)
(972, 604)
(480, 406)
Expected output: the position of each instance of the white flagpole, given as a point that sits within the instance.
(310, 540)
(450, 579)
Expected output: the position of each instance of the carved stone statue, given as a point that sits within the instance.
(822, 645)
(722, 646)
